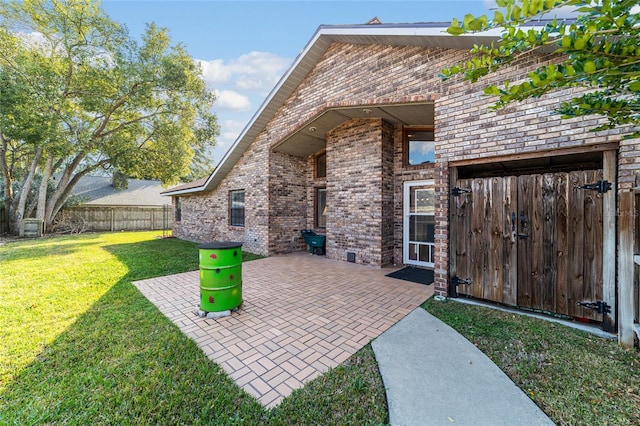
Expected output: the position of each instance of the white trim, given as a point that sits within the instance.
(405, 221)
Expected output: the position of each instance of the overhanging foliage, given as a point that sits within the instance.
(600, 51)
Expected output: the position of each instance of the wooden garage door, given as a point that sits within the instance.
(533, 241)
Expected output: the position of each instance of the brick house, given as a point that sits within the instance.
(360, 140)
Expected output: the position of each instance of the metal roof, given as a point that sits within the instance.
(418, 34)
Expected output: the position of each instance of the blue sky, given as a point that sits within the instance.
(244, 47)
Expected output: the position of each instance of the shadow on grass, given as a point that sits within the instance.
(156, 258)
(46, 247)
(159, 257)
(123, 362)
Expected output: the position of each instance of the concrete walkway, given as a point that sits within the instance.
(434, 376)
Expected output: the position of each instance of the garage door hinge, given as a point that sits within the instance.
(460, 281)
(599, 306)
(457, 191)
(601, 186)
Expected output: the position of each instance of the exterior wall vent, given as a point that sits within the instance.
(351, 257)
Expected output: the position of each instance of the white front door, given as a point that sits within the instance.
(419, 223)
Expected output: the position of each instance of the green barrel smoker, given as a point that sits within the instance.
(220, 276)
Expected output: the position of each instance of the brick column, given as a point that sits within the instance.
(358, 192)
(441, 267)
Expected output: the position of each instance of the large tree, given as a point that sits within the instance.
(599, 48)
(79, 94)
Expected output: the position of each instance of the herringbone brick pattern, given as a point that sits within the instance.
(301, 315)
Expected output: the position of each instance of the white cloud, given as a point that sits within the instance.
(34, 37)
(214, 71)
(230, 131)
(229, 99)
(238, 84)
(255, 84)
(266, 66)
(254, 71)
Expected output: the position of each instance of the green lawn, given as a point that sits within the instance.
(81, 345)
(575, 377)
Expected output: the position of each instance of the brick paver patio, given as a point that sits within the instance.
(301, 315)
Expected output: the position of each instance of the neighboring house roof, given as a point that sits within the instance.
(98, 190)
(420, 35)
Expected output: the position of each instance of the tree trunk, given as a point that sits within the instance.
(24, 192)
(60, 189)
(7, 181)
(54, 208)
(42, 191)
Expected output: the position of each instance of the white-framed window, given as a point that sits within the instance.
(321, 208)
(236, 207)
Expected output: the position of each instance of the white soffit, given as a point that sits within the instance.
(311, 137)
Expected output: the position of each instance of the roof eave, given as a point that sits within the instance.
(182, 191)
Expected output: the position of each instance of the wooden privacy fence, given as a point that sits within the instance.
(119, 218)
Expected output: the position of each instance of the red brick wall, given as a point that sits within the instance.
(205, 216)
(355, 186)
(388, 198)
(287, 202)
(349, 75)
